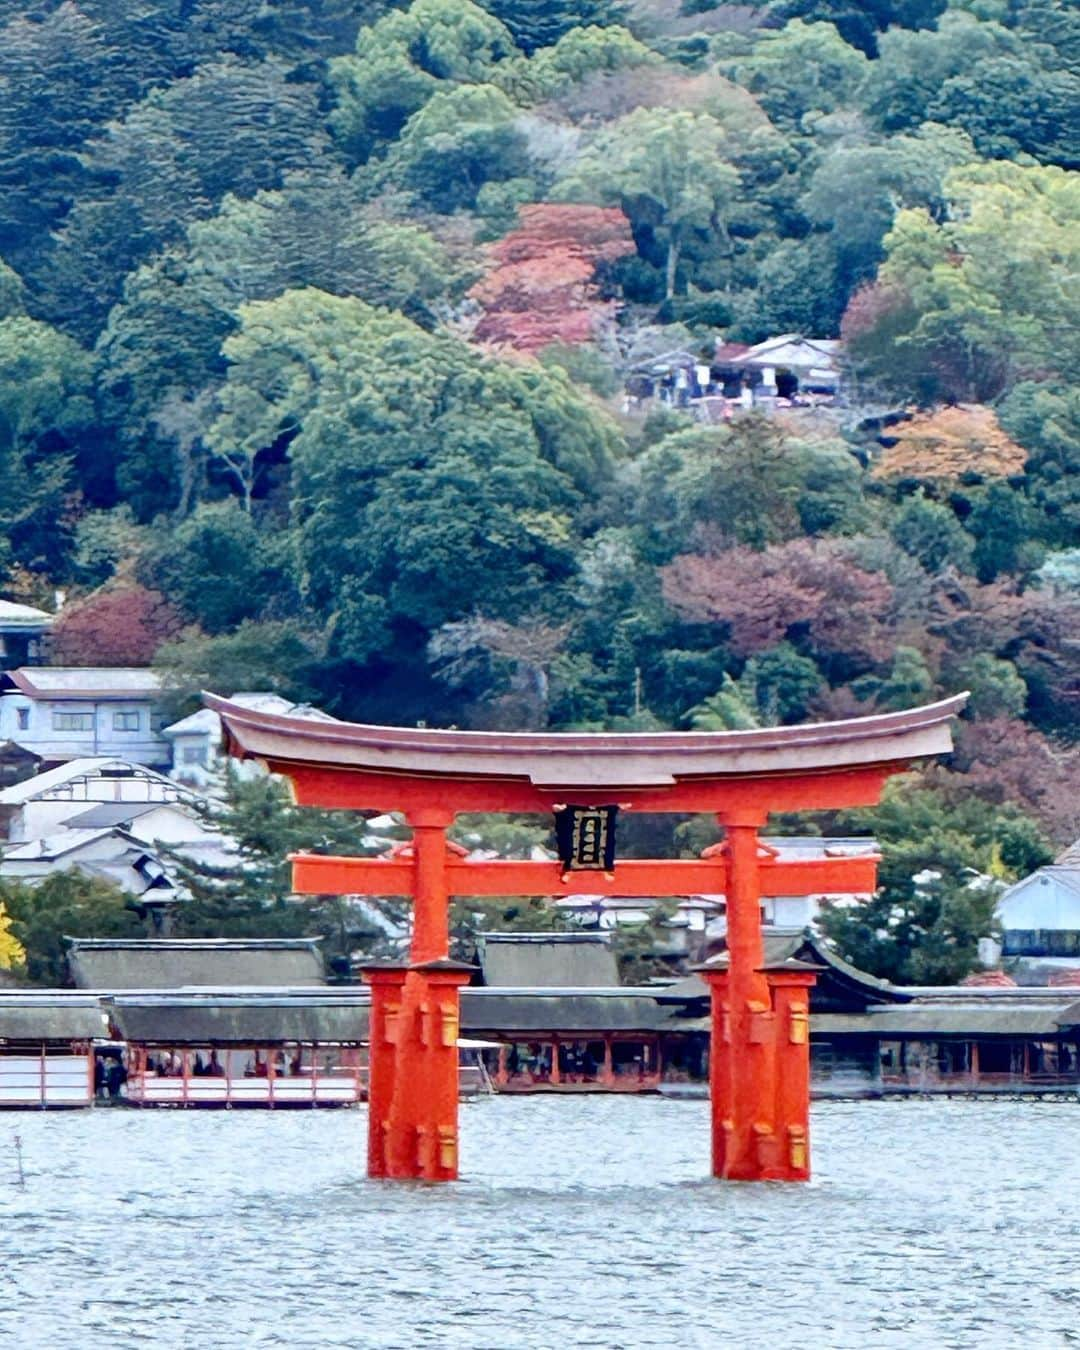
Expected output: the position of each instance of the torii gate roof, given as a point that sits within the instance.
(564, 761)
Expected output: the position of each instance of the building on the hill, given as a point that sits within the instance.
(790, 368)
(63, 797)
(23, 632)
(17, 764)
(62, 713)
(195, 740)
(108, 818)
(1040, 921)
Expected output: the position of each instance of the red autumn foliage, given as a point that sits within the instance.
(541, 287)
(806, 588)
(872, 306)
(120, 625)
(1005, 760)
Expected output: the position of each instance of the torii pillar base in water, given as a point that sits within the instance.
(760, 1053)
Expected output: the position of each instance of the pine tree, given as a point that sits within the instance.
(249, 895)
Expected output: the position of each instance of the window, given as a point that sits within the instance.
(23, 714)
(73, 721)
(126, 721)
(194, 754)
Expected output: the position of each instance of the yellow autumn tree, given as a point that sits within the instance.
(12, 952)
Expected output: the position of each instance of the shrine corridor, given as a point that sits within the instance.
(585, 1222)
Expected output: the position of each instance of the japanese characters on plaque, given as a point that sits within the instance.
(585, 837)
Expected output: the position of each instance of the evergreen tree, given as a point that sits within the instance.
(250, 895)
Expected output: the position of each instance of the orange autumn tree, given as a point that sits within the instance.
(542, 284)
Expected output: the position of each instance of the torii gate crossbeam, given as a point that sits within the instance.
(759, 1065)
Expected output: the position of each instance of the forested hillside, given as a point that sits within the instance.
(316, 317)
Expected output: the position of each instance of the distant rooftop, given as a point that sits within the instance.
(90, 767)
(106, 814)
(13, 615)
(170, 963)
(547, 960)
(101, 682)
(1069, 857)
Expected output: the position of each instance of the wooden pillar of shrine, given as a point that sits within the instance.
(387, 983)
(790, 984)
(421, 1129)
(744, 1138)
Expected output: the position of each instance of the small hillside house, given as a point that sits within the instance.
(196, 739)
(1040, 919)
(108, 818)
(23, 631)
(62, 713)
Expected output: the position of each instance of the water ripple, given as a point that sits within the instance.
(582, 1223)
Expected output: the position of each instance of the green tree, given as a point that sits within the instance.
(939, 881)
(644, 951)
(215, 566)
(967, 307)
(65, 904)
(232, 126)
(1044, 417)
(461, 139)
(908, 683)
(542, 23)
(781, 682)
(45, 401)
(403, 60)
(1002, 523)
(801, 70)
(750, 481)
(161, 347)
(274, 655)
(250, 896)
(729, 709)
(60, 88)
(997, 687)
(665, 166)
(857, 189)
(426, 476)
(931, 533)
(1011, 94)
(860, 23)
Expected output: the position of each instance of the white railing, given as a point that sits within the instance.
(334, 1088)
(46, 1080)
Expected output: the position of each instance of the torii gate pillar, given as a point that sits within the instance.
(413, 1035)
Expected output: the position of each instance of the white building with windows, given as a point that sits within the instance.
(197, 755)
(109, 818)
(62, 713)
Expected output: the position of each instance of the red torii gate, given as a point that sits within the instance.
(759, 1063)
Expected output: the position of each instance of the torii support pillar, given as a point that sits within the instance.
(790, 984)
(759, 1066)
(415, 1021)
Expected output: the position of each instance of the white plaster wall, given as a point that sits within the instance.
(1042, 901)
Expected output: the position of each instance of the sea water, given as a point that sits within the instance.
(580, 1222)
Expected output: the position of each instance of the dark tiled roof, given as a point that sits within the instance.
(507, 1011)
(52, 1016)
(107, 963)
(224, 1019)
(547, 960)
